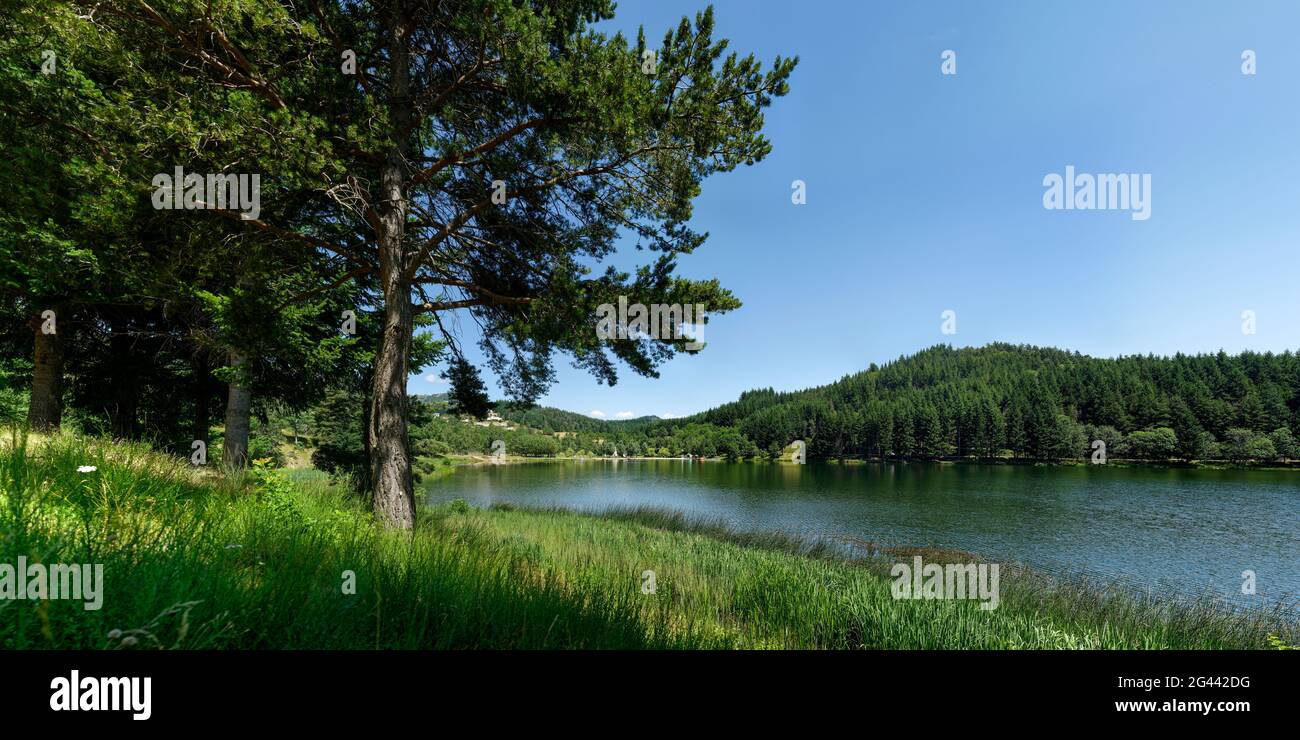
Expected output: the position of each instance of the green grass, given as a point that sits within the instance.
(196, 561)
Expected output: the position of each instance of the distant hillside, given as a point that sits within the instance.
(1005, 399)
(549, 418)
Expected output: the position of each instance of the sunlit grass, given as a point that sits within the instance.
(259, 568)
(772, 590)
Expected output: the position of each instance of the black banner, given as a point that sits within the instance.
(337, 689)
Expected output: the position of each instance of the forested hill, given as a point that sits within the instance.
(552, 419)
(1026, 401)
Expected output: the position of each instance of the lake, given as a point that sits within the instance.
(1179, 531)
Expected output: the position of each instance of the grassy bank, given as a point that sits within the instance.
(196, 561)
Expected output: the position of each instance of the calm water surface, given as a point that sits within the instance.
(1173, 529)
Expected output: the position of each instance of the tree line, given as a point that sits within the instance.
(1000, 400)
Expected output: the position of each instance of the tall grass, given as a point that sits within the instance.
(1074, 611)
(203, 563)
(197, 561)
(772, 590)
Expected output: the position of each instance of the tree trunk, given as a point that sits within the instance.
(202, 398)
(124, 381)
(390, 462)
(45, 408)
(234, 453)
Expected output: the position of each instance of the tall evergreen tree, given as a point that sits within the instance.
(479, 152)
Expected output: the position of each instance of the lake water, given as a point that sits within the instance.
(1183, 530)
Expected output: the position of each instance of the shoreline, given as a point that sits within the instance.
(460, 460)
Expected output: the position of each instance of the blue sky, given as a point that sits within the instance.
(925, 191)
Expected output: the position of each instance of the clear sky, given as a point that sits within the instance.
(925, 190)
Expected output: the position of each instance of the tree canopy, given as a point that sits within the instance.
(410, 158)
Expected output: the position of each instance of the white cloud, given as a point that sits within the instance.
(597, 414)
(667, 415)
(624, 414)
(434, 379)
